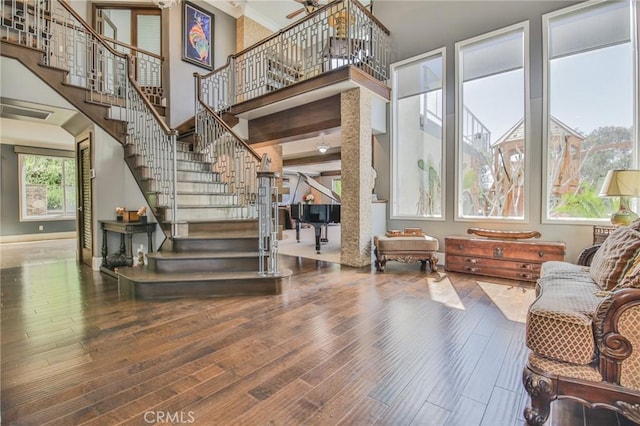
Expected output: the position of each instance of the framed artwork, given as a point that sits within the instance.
(197, 35)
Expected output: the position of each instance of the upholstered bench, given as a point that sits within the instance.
(407, 249)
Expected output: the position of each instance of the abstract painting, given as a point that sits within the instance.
(197, 35)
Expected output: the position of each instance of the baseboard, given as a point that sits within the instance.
(26, 238)
(95, 263)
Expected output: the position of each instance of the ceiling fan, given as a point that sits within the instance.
(309, 7)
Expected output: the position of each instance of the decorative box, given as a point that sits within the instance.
(130, 216)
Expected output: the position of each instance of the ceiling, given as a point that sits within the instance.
(270, 13)
(309, 147)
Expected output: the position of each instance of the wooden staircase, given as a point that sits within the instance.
(215, 252)
(219, 259)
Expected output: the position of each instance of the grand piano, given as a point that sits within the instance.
(318, 215)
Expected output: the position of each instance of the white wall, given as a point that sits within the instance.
(180, 85)
(114, 186)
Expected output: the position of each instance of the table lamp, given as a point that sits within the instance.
(623, 184)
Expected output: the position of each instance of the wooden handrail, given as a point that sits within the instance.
(165, 127)
(128, 46)
(88, 28)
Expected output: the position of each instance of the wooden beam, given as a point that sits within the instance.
(331, 173)
(304, 120)
(315, 159)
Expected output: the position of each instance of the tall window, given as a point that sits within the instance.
(492, 124)
(590, 107)
(418, 137)
(47, 187)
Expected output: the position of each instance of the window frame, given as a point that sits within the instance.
(442, 53)
(64, 216)
(458, 217)
(635, 43)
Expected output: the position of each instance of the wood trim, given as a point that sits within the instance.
(312, 160)
(310, 118)
(341, 75)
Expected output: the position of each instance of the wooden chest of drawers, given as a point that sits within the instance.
(518, 260)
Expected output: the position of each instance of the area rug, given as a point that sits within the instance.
(513, 301)
(306, 248)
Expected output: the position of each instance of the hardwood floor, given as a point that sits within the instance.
(343, 346)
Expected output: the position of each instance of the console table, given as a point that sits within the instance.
(124, 257)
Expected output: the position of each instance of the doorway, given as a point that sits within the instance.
(85, 210)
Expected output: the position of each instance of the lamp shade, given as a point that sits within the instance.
(621, 183)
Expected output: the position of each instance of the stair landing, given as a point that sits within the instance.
(140, 283)
(221, 259)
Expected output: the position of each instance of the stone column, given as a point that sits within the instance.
(357, 178)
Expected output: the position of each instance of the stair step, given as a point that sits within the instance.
(203, 199)
(189, 156)
(198, 262)
(241, 243)
(202, 213)
(198, 176)
(193, 165)
(140, 283)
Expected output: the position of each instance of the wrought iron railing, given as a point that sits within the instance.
(233, 161)
(147, 67)
(108, 76)
(268, 222)
(339, 34)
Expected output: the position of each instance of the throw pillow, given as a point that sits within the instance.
(614, 257)
(631, 277)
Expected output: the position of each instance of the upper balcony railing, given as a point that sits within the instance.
(339, 34)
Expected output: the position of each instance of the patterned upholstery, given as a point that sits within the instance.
(629, 326)
(576, 371)
(559, 322)
(614, 256)
(631, 277)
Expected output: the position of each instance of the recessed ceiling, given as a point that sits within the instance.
(273, 13)
(304, 148)
(29, 111)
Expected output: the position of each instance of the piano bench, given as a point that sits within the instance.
(407, 249)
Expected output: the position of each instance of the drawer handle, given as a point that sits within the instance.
(472, 269)
(471, 260)
(497, 252)
(526, 266)
(460, 246)
(541, 253)
(527, 276)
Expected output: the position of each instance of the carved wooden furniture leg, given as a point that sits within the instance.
(542, 391)
(380, 261)
(433, 261)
